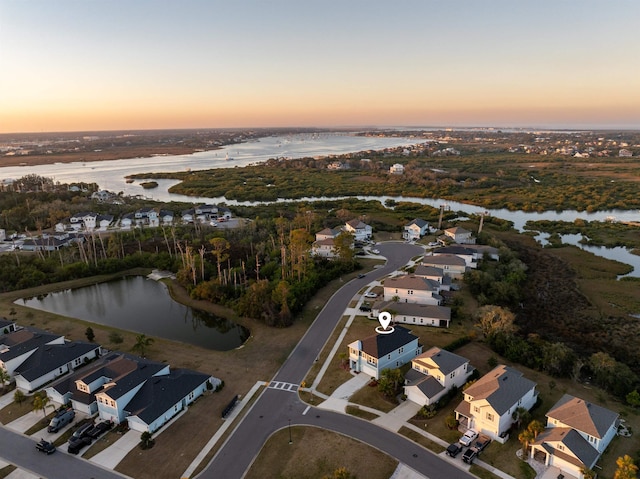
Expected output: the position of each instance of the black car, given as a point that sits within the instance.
(80, 438)
(45, 446)
(365, 308)
(469, 455)
(361, 275)
(99, 429)
(454, 449)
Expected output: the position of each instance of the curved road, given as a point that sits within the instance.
(275, 408)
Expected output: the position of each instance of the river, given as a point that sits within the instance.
(110, 175)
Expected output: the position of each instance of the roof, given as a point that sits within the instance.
(356, 224)
(444, 259)
(416, 309)
(454, 249)
(429, 386)
(583, 416)
(584, 452)
(443, 360)
(160, 393)
(412, 282)
(380, 345)
(426, 271)
(24, 340)
(502, 387)
(125, 383)
(5, 323)
(418, 222)
(53, 356)
(457, 230)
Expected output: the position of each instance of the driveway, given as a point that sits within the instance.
(115, 453)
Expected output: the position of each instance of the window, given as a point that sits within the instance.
(560, 447)
(452, 375)
(476, 409)
(489, 417)
(401, 349)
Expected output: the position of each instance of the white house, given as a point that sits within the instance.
(412, 289)
(359, 230)
(433, 374)
(163, 397)
(452, 265)
(396, 169)
(17, 346)
(468, 255)
(577, 434)
(459, 235)
(50, 361)
(378, 352)
(435, 274)
(416, 314)
(323, 248)
(415, 230)
(489, 404)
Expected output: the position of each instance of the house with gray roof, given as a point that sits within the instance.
(7, 326)
(360, 230)
(489, 404)
(433, 374)
(17, 346)
(378, 352)
(412, 289)
(416, 314)
(163, 397)
(468, 255)
(50, 361)
(451, 264)
(415, 229)
(577, 433)
(459, 235)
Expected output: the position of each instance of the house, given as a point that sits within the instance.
(416, 314)
(396, 169)
(459, 235)
(165, 396)
(482, 251)
(49, 243)
(104, 221)
(6, 327)
(126, 221)
(378, 352)
(577, 433)
(490, 404)
(435, 274)
(415, 230)
(206, 212)
(50, 361)
(17, 346)
(188, 216)
(433, 374)
(359, 230)
(166, 217)
(452, 265)
(468, 255)
(146, 216)
(412, 289)
(327, 233)
(323, 248)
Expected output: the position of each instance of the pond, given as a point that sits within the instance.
(144, 306)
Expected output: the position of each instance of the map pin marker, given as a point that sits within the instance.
(385, 319)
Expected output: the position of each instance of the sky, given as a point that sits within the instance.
(80, 65)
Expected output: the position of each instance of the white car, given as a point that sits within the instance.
(370, 295)
(375, 251)
(468, 437)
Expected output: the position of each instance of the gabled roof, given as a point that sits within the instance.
(380, 345)
(412, 282)
(160, 393)
(145, 370)
(457, 230)
(417, 309)
(502, 387)
(583, 416)
(429, 386)
(444, 259)
(52, 356)
(24, 340)
(440, 359)
(585, 453)
(454, 249)
(418, 222)
(357, 224)
(426, 271)
(324, 242)
(328, 232)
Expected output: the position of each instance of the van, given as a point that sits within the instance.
(61, 419)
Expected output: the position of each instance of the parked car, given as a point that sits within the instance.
(45, 446)
(468, 437)
(99, 429)
(80, 438)
(370, 295)
(361, 275)
(454, 449)
(365, 308)
(469, 455)
(482, 442)
(375, 251)
(61, 419)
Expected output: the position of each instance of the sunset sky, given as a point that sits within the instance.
(137, 64)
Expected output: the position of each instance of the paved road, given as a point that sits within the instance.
(20, 450)
(276, 409)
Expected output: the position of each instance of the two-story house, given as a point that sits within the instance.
(489, 404)
(324, 244)
(453, 266)
(459, 235)
(378, 352)
(577, 434)
(415, 230)
(433, 374)
(468, 255)
(17, 346)
(360, 230)
(412, 289)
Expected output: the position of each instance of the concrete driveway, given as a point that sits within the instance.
(115, 453)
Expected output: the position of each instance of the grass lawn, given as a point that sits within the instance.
(370, 396)
(422, 440)
(316, 453)
(356, 411)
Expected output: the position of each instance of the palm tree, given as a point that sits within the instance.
(588, 473)
(142, 343)
(535, 427)
(525, 437)
(626, 468)
(40, 402)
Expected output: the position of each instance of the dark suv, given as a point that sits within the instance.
(469, 455)
(80, 438)
(454, 449)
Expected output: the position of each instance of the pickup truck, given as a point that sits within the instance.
(481, 442)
